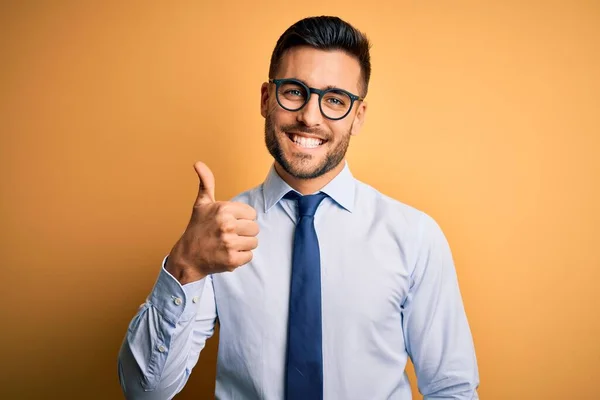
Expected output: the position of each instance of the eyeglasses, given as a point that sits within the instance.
(334, 103)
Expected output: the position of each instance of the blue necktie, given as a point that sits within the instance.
(304, 369)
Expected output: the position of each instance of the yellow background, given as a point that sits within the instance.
(483, 114)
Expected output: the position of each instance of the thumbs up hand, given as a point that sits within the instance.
(219, 237)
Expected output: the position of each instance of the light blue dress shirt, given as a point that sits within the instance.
(389, 292)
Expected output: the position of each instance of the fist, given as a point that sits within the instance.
(219, 237)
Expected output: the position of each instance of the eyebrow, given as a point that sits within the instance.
(325, 88)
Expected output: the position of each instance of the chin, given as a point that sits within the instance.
(307, 172)
(305, 168)
(303, 162)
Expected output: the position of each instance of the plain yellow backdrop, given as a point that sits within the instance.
(483, 114)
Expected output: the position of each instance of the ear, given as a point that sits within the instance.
(264, 99)
(359, 118)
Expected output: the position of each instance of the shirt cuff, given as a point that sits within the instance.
(175, 302)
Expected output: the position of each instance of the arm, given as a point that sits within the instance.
(437, 334)
(164, 339)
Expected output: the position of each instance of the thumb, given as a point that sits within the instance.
(206, 189)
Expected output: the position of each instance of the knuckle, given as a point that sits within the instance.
(221, 208)
(231, 259)
(220, 216)
(227, 241)
(226, 225)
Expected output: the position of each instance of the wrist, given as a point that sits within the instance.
(182, 271)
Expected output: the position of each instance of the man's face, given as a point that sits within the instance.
(304, 142)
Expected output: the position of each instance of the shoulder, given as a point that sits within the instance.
(412, 221)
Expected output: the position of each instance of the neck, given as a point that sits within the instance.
(309, 186)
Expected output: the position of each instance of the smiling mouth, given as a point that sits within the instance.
(305, 142)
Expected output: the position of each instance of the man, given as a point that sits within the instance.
(340, 286)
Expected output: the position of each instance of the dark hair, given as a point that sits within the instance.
(325, 33)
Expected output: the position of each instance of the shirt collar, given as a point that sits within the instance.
(341, 188)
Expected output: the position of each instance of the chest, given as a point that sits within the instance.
(364, 276)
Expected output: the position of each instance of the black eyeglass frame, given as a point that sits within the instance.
(310, 91)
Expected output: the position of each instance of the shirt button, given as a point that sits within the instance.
(162, 348)
(177, 301)
(195, 299)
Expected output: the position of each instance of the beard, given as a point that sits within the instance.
(300, 165)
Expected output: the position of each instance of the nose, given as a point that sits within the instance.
(310, 114)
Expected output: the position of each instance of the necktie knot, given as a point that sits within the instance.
(307, 205)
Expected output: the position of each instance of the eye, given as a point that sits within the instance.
(294, 92)
(335, 101)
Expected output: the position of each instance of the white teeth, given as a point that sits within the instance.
(309, 143)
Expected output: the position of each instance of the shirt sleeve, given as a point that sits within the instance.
(436, 331)
(165, 338)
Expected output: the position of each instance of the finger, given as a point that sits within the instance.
(242, 257)
(206, 187)
(242, 211)
(244, 227)
(245, 243)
